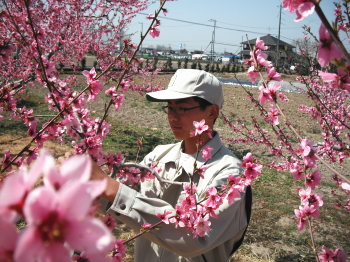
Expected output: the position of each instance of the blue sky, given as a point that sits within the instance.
(235, 17)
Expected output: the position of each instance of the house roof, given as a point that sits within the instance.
(269, 41)
(282, 54)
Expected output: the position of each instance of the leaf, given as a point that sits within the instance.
(339, 63)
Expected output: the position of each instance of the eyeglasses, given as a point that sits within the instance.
(178, 111)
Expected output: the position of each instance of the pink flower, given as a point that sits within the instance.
(297, 170)
(252, 74)
(247, 158)
(260, 44)
(95, 87)
(165, 11)
(118, 101)
(273, 75)
(109, 221)
(330, 256)
(201, 170)
(150, 16)
(120, 251)
(188, 190)
(302, 8)
(8, 239)
(201, 226)
(154, 32)
(273, 115)
(59, 221)
(206, 153)
(125, 84)
(76, 169)
(328, 49)
(5, 52)
(200, 127)
(232, 194)
(312, 180)
(145, 227)
(308, 198)
(251, 172)
(189, 202)
(12, 201)
(309, 152)
(262, 58)
(304, 213)
(269, 93)
(341, 79)
(164, 217)
(90, 76)
(345, 186)
(213, 200)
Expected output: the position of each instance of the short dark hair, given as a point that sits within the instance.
(202, 102)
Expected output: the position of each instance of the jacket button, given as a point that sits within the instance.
(122, 206)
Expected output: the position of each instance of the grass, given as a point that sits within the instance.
(123, 138)
(34, 102)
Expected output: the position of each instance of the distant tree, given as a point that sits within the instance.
(179, 64)
(212, 68)
(155, 62)
(223, 69)
(83, 63)
(206, 68)
(199, 66)
(185, 63)
(233, 70)
(170, 63)
(194, 65)
(183, 51)
(161, 48)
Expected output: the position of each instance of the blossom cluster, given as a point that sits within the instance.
(194, 212)
(329, 91)
(57, 213)
(34, 50)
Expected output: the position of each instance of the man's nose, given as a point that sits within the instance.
(172, 116)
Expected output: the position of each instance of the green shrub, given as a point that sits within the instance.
(83, 63)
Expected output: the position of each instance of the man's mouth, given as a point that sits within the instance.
(175, 127)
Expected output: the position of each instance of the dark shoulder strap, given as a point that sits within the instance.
(248, 209)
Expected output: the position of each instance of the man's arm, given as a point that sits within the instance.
(112, 185)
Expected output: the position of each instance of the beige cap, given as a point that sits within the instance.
(188, 83)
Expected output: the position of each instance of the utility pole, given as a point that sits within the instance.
(213, 41)
(141, 35)
(278, 39)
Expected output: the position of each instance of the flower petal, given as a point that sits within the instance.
(77, 167)
(90, 236)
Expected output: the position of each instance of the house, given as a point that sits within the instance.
(286, 51)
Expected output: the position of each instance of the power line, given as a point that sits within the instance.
(195, 23)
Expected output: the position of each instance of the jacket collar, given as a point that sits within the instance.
(173, 154)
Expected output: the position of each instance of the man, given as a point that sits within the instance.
(192, 95)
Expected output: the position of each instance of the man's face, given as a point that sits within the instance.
(181, 125)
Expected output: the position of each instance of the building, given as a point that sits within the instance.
(286, 51)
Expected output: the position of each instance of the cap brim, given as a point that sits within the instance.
(166, 95)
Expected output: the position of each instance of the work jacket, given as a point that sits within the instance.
(170, 244)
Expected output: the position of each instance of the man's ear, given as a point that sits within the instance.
(214, 111)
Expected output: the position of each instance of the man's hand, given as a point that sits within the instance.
(98, 174)
(112, 185)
